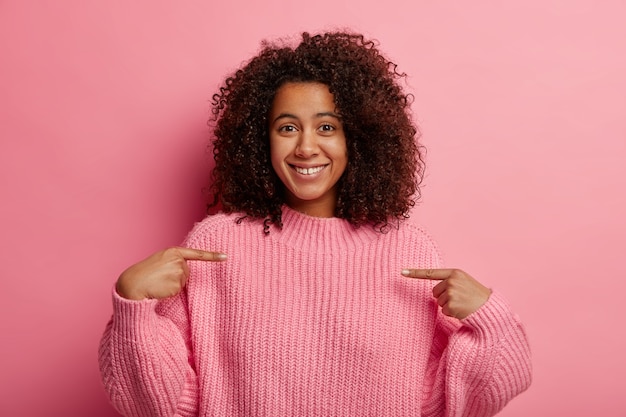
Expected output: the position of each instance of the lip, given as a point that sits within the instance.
(297, 167)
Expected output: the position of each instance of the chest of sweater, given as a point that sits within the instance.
(309, 329)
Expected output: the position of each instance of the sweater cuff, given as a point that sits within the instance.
(129, 314)
(494, 320)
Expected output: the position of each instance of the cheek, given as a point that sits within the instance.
(341, 150)
(276, 167)
(276, 156)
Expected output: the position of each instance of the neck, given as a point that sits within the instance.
(323, 207)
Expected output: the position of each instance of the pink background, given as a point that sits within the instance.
(102, 158)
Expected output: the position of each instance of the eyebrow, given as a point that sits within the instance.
(317, 115)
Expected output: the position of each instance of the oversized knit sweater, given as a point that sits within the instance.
(314, 319)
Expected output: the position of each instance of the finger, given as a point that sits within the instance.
(185, 271)
(436, 274)
(191, 254)
(448, 311)
(440, 288)
(443, 299)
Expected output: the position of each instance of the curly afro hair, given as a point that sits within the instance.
(385, 163)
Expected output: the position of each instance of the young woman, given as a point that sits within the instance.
(308, 294)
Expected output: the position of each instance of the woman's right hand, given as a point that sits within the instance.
(161, 275)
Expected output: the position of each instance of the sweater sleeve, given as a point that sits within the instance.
(145, 359)
(477, 365)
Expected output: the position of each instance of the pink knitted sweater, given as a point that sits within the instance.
(312, 320)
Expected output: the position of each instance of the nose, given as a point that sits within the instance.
(307, 145)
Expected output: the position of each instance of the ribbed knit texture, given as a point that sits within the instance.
(312, 320)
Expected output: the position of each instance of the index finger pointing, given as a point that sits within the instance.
(436, 274)
(191, 254)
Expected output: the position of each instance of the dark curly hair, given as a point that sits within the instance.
(385, 163)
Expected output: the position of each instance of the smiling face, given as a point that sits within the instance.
(308, 146)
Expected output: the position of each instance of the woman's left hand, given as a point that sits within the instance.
(458, 294)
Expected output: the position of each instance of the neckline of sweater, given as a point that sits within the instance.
(321, 234)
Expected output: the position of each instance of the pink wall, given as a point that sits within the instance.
(102, 158)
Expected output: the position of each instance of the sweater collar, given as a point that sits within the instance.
(321, 234)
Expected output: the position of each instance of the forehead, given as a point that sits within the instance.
(303, 96)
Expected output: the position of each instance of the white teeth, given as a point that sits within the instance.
(308, 171)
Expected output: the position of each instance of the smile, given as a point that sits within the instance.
(309, 171)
